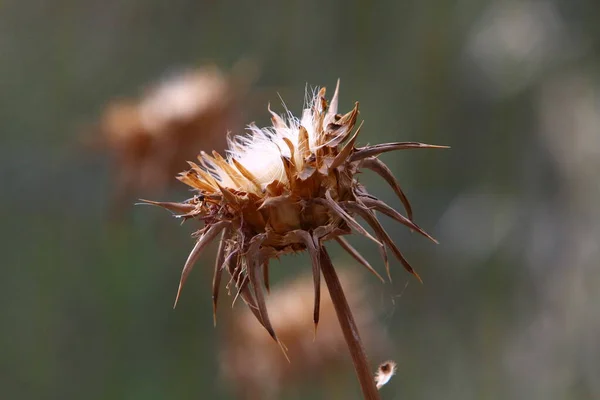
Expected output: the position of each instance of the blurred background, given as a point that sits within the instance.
(511, 300)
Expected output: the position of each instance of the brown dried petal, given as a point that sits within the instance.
(247, 174)
(333, 105)
(303, 144)
(343, 155)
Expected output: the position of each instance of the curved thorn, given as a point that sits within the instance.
(243, 290)
(377, 166)
(174, 207)
(311, 244)
(357, 256)
(254, 275)
(339, 211)
(368, 216)
(218, 272)
(390, 212)
(200, 245)
(241, 286)
(370, 151)
(266, 276)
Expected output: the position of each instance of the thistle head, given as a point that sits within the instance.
(289, 188)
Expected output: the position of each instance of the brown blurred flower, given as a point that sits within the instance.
(150, 138)
(252, 363)
(291, 188)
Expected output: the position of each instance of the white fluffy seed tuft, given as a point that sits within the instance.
(384, 373)
(261, 149)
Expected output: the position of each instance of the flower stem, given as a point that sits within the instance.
(357, 351)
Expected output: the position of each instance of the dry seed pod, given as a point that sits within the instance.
(252, 363)
(151, 138)
(291, 188)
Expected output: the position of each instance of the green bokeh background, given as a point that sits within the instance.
(510, 305)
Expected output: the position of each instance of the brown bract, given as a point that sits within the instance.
(287, 189)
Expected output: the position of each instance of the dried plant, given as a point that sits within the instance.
(151, 137)
(384, 373)
(287, 189)
(252, 363)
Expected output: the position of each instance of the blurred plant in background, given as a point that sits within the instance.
(559, 342)
(149, 139)
(252, 363)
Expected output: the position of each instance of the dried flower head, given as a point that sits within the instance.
(384, 373)
(151, 137)
(252, 363)
(291, 188)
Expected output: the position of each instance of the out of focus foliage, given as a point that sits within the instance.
(509, 308)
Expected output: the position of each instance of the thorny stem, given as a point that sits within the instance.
(342, 309)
